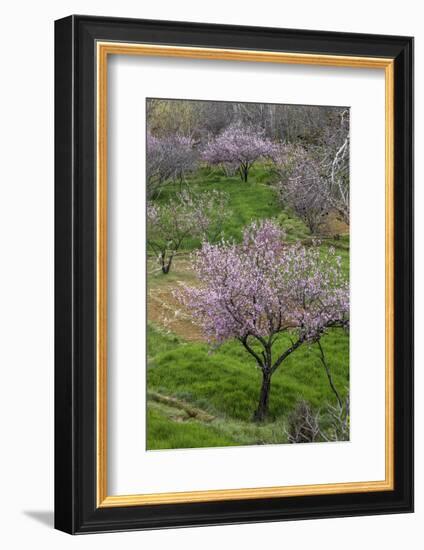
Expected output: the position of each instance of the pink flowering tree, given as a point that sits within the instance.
(238, 146)
(303, 184)
(187, 215)
(168, 158)
(262, 288)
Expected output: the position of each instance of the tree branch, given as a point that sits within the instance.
(288, 351)
(252, 352)
(327, 370)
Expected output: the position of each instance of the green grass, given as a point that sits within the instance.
(164, 433)
(226, 382)
(159, 341)
(252, 200)
(294, 227)
(161, 435)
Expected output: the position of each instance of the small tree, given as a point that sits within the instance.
(238, 145)
(303, 185)
(170, 224)
(262, 288)
(168, 158)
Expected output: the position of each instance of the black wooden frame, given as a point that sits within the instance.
(75, 275)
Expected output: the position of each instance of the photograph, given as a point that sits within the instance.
(247, 240)
(234, 268)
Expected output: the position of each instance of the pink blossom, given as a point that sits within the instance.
(168, 158)
(263, 286)
(238, 146)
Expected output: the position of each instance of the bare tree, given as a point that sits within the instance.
(303, 124)
(339, 429)
(303, 424)
(335, 160)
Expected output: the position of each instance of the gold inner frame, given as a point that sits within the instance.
(104, 49)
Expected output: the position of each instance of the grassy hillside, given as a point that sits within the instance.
(225, 383)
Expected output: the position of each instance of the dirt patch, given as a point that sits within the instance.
(334, 226)
(164, 310)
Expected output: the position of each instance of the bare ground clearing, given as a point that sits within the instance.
(163, 308)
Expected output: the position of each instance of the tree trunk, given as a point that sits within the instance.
(262, 410)
(166, 266)
(244, 172)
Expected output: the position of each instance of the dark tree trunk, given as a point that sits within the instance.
(166, 266)
(244, 172)
(262, 410)
(264, 362)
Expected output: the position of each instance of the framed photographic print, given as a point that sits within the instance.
(234, 269)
